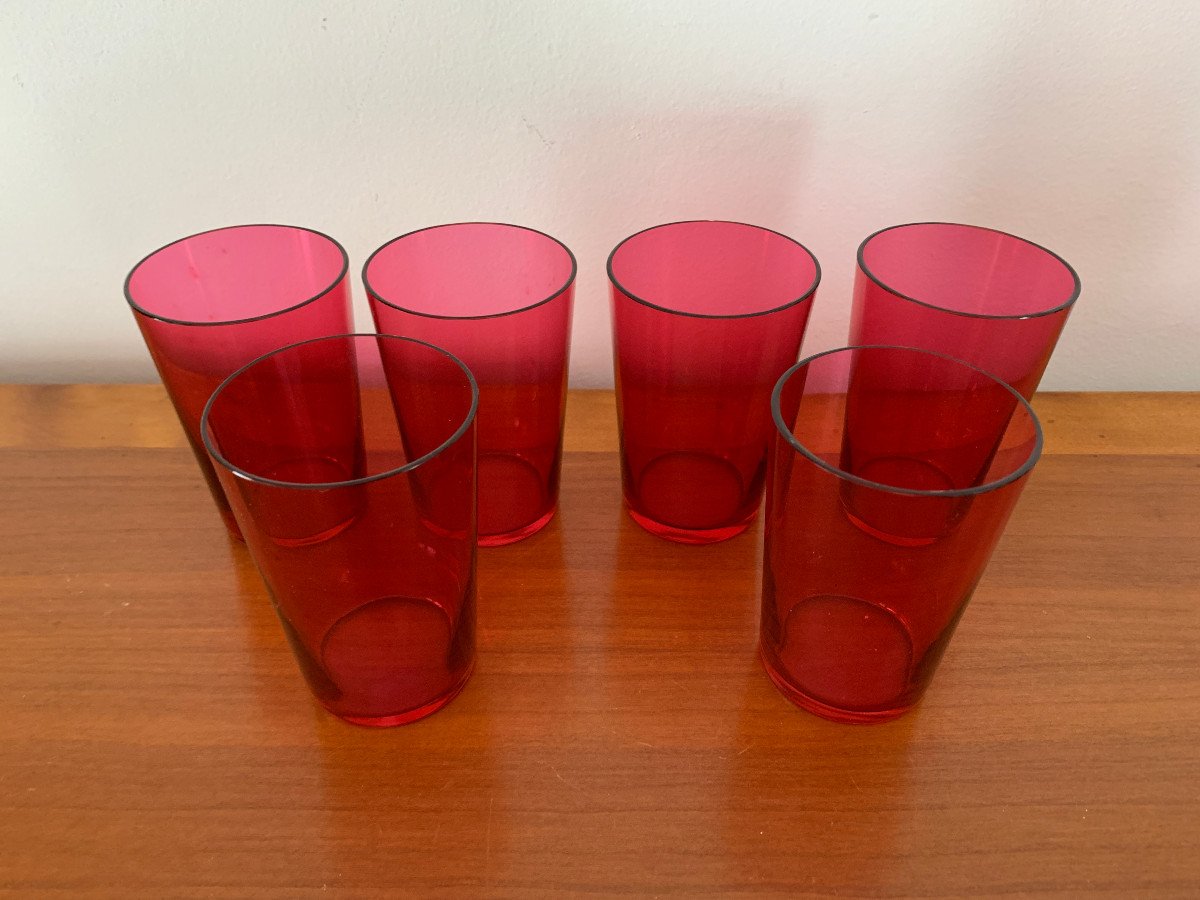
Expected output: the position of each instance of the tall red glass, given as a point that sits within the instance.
(893, 474)
(706, 316)
(212, 302)
(499, 297)
(349, 463)
(992, 299)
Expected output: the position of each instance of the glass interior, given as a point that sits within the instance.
(469, 270)
(907, 421)
(967, 269)
(237, 273)
(339, 410)
(713, 268)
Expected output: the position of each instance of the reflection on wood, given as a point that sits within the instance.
(619, 734)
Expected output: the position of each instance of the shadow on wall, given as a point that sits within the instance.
(650, 166)
(1105, 191)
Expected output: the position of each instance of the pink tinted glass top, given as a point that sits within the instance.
(970, 270)
(238, 273)
(469, 269)
(713, 268)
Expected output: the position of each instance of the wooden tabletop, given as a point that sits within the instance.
(619, 735)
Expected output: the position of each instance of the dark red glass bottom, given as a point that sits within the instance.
(377, 604)
(850, 661)
(511, 537)
(389, 661)
(854, 624)
(818, 708)
(409, 716)
(515, 500)
(690, 535)
(692, 497)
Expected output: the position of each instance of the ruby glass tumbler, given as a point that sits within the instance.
(349, 464)
(894, 471)
(992, 299)
(499, 297)
(212, 302)
(706, 316)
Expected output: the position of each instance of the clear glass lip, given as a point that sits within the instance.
(217, 456)
(508, 312)
(786, 432)
(958, 312)
(317, 296)
(806, 295)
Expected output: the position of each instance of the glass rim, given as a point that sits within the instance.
(239, 472)
(1015, 475)
(373, 294)
(1066, 304)
(141, 310)
(807, 295)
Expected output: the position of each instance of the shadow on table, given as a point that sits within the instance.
(523, 593)
(409, 809)
(776, 798)
(812, 805)
(696, 605)
(430, 805)
(280, 692)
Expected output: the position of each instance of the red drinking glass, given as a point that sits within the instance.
(499, 297)
(210, 303)
(893, 474)
(706, 316)
(349, 463)
(992, 299)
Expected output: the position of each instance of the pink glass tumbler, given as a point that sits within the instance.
(992, 299)
(706, 316)
(893, 474)
(212, 302)
(499, 298)
(349, 464)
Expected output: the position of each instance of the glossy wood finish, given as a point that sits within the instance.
(619, 735)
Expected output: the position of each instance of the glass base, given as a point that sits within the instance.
(690, 535)
(824, 710)
(511, 537)
(411, 715)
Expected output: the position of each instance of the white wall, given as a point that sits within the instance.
(128, 124)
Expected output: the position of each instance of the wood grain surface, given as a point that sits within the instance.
(618, 736)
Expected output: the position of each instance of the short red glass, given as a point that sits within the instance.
(706, 316)
(499, 297)
(893, 474)
(349, 464)
(212, 302)
(992, 299)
